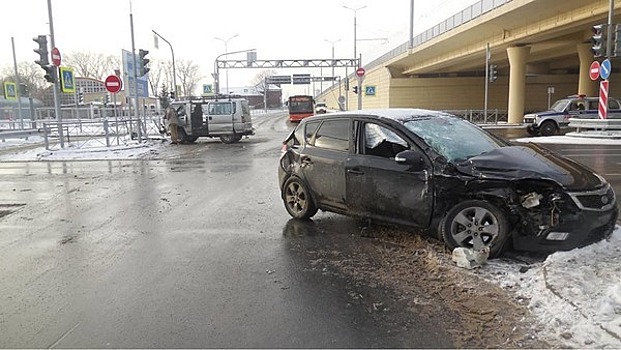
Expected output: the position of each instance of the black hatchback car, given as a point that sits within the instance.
(437, 172)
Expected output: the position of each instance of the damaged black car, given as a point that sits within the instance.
(444, 175)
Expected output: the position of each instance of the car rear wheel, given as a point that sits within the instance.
(298, 200)
(548, 128)
(476, 224)
(232, 138)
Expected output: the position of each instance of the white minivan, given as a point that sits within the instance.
(226, 118)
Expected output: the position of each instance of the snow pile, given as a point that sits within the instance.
(575, 295)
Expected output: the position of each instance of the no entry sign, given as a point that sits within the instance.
(113, 84)
(56, 58)
(360, 72)
(594, 70)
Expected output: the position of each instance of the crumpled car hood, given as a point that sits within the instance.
(531, 162)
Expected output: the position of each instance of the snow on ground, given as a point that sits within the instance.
(575, 295)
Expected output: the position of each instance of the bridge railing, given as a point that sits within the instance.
(478, 116)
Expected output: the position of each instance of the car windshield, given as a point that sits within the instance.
(455, 139)
(560, 105)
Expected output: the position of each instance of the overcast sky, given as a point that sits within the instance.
(277, 29)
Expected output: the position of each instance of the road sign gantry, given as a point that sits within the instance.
(310, 63)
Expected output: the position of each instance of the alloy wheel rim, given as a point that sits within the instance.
(475, 227)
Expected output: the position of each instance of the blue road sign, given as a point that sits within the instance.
(142, 83)
(605, 69)
(369, 90)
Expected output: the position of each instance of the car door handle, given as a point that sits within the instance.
(355, 172)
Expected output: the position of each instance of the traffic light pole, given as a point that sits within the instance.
(135, 74)
(59, 117)
(611, 10)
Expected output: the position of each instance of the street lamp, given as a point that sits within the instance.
(332, 42)
(355, 10)
(173, 62)
(226, 51)
(216, 72)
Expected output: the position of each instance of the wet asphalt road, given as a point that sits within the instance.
(193, 249)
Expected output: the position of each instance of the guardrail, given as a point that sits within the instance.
(595, 124)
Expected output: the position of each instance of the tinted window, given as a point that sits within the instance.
(333, 134)
(382, 142)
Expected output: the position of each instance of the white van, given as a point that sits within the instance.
(226, 118)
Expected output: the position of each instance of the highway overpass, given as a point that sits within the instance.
(537, 45)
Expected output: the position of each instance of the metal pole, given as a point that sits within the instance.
(59, 117)
(226, 50)
(487, 58)
(216, 67)
(611, 11)
(173, 62)
(411, 24)
(355, 28)
(17, 93)
(135, 74)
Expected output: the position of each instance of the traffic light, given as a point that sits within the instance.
(143, 62)
(346, 81)
(616, 52)
(106, 99)
(44, 61)
(172, 95)
(81, 97)
(51, 73)
(493, 72)
(355, 89)
(599, 39)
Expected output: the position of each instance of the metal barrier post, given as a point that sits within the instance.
(105, 125)
(45, 130)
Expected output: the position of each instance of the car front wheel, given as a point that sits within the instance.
(298, 200)
(476, 224)
(548, 128)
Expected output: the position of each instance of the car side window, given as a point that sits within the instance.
(310, 129)
(220, 108)
(380, 141)
(333, 134)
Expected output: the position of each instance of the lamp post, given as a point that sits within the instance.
(173, 61)
(216, 73)
(355, 26)
(332, 42)
(226, 51)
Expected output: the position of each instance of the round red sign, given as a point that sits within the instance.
(360, 72)
(56, 57)
(113, 84)
(594, 70)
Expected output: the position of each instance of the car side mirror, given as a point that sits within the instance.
(410, 157)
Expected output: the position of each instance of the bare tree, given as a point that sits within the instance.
(259, 81)
(30, 74)
(91, 65)
(189, 76)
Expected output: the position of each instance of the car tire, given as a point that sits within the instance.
(531, 131)
(472, 220)
(183, 136)
(548, 128)
(232, 138)
(297, 199)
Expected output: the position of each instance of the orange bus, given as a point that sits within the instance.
(300, 107)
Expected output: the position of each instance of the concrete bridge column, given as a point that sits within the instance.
(517, 82)
(586, 86)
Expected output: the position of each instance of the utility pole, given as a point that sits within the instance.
(59, 117)
(488, 56)
(135, 74)
(17, 92)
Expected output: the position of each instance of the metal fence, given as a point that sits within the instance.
(478, 116)
(81, 134)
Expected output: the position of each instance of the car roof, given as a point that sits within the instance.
(397, 114)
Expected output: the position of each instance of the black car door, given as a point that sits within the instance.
(323, 161)
(378, 186)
